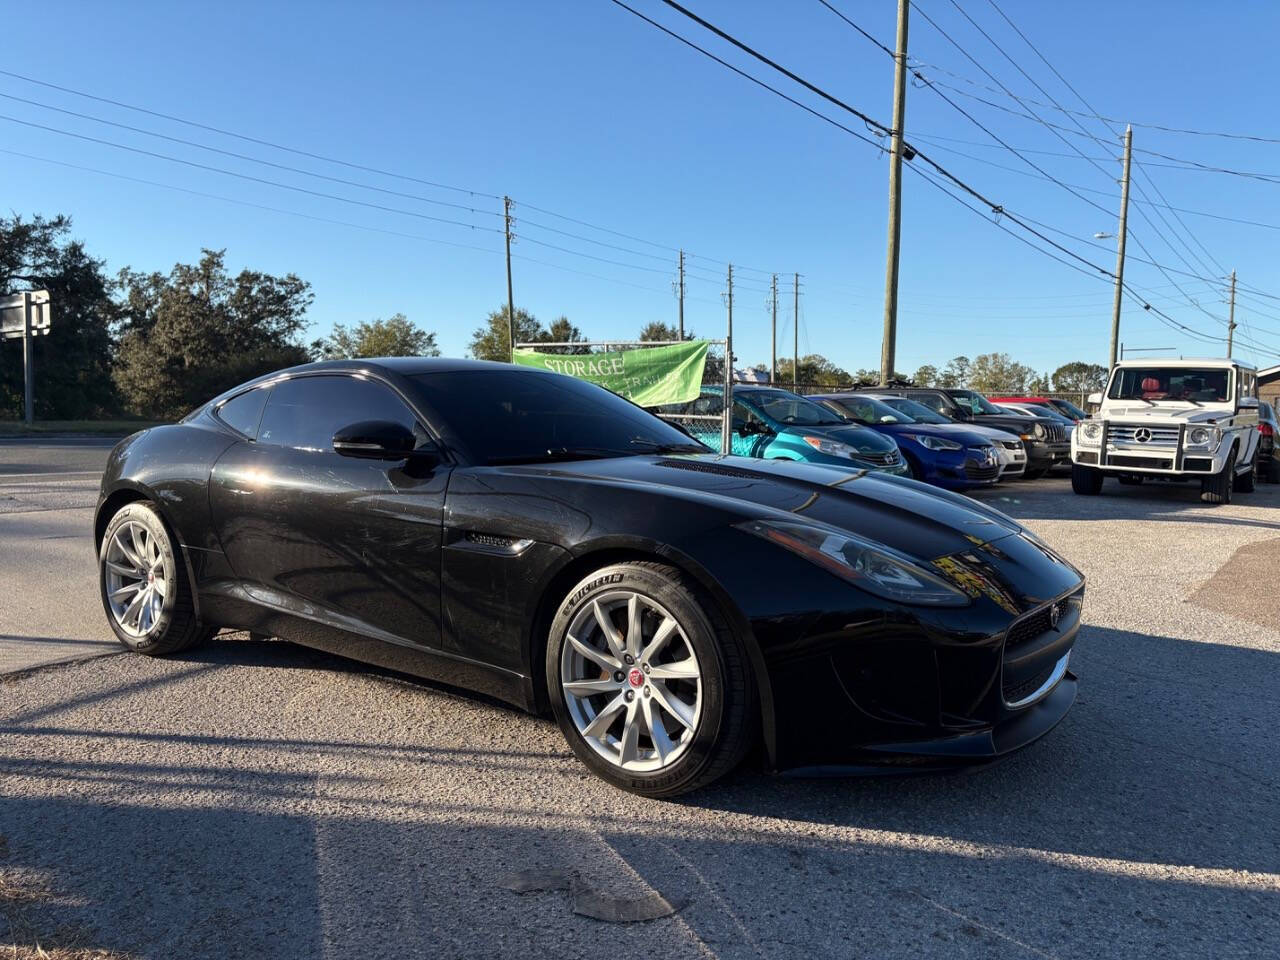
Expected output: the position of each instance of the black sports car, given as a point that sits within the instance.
(544, 541)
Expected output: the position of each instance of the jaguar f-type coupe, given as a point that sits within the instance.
(536, 538)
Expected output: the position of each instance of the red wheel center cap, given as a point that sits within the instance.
(635, 677)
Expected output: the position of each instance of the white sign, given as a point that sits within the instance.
(13, 322)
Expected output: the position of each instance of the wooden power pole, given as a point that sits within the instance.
(681, 295)
(795, 332)
(889, 341)
(773, 334)
(511, 303)
(1231, 317)
(1120, 240)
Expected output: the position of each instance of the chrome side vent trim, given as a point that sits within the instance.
(492, 543)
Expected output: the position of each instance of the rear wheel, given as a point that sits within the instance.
(1217, 489)
(651, 688)
(1086, 481)
(144, 590)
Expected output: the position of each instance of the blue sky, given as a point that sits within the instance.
(580, 109)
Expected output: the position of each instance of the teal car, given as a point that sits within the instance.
(776, 424)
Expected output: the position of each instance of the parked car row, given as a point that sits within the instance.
(955, 439)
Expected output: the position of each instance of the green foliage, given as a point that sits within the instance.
(73, 361)
(816, 369)
(926, 376)
(955, 373)
(197, 331)
(657, 331)
(394, 337)
(492, 340)
(1084, 377)
(999, 373)
(562, 331)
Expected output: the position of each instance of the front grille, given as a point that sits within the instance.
(1132, 433)
(1150, 463)
(1012, 444)
(1028, 628)
(882, 459)
(981, 471)
(1020, 691)
(1057, 433)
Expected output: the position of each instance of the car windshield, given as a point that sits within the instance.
(869, 410)
(974, 401)
(1188, 384)
(918, 412)
(512, 416)
(1045, 410)
(1070, 409)
(788, 408)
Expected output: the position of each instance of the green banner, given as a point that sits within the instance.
(648, 376)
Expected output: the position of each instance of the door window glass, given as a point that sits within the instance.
(306, 412)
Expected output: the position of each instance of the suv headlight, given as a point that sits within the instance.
(1090, 433)
(832, 448)
(1040, 432)
(871, 567)
(1203, 436)
(934, 443)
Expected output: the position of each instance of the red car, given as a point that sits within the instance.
(1064, 407)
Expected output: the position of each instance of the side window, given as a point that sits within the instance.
(243, 412)
(744, 414)
(708, 405)
(307, 411)
(933, 401)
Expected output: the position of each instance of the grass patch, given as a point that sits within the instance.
(110, 428)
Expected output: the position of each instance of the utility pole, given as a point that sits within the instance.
(726, 426)
(888, 344)
(511, 303)
(1121, 237)
(773, 335)
(681, 295)
(1231, 317)
(795, 332)
(29, 359)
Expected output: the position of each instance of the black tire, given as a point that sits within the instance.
(913, 468)
(1130, 480)
(726, 726)
(1036, 474)
(1247, 482)
(1217, 489)
(1086, 481)
(175, 627)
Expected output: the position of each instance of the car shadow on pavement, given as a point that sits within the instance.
(1150, 501)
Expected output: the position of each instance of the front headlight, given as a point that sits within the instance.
(1040, 432)
(935, 443)
(1090, 432)
(871, 567)
(832, 448)
(1203, 436)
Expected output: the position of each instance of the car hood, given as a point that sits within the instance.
(913, 518)
(1167, 412)
(959, 432)
(862, 439)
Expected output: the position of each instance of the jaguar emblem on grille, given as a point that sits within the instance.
(1055, 615)
(1142, 435)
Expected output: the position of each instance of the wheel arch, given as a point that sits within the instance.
(623, 550)
(128, 492)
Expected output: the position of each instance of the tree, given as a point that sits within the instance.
(816, 369)
(999, 372)
(1080, 376)
(656, 330)
(73, 360)
(955, 373)
(493, 342)
(926, 376)
(395, 337)
(1039, 385)
(194, 333)
(562, 331)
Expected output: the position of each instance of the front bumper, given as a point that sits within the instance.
(1173, 458)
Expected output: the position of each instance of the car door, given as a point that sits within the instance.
(348, 541)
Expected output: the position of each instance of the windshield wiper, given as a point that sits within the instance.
(553, 454)
(655, 446)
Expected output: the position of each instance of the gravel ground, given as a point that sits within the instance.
(258, 799)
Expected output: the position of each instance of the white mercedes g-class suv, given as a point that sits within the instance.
(1172, 419)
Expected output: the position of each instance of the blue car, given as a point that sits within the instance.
(776, 424)
(947, 455)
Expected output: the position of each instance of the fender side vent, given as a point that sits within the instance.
(715, 468)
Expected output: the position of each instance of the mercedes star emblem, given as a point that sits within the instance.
(1142, 435)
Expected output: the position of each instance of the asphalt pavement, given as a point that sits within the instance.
(258, 799)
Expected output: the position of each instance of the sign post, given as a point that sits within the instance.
(25, 315)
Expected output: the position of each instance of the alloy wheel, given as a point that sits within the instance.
(631, 680)
(137, 578)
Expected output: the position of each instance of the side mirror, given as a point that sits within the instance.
(1249, 403)
(1095, 399)
(375, 440)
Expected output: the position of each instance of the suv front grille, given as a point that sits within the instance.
(1134, 433)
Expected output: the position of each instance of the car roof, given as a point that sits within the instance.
(1222, 362)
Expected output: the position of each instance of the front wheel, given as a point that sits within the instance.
(145, 592)
(650, 686)
(1086, 481)
(1217, 489)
